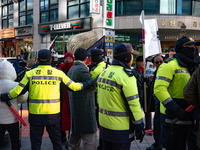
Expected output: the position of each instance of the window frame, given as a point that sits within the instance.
(26, 13)
(49, 10)
(79, 8)
(142, 2)
(8, 16)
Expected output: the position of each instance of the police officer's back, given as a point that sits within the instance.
(43, 84)
(113, 82)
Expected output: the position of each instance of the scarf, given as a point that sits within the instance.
(185, 62)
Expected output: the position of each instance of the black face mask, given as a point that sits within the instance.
(188, 51)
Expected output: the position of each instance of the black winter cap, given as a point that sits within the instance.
(80, 54)
(96, 52)
(185, 40)
(122, 52)
(44, 55)
(139, 58)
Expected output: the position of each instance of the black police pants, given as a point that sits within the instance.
(36, 133)
(115, 146)
(13, 130)
(175, 138)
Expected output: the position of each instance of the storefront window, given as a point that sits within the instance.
(167, 6)
(48, 10)
(119, 36)
(68, 35)
(78, 8)
(196, 8)
(184, 7)
(25, 44)
(61, 41)
(7, 14)
(26, 12)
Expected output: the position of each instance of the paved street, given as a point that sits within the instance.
(46, 143)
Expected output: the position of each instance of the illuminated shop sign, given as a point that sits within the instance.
(109, 14)
(65, 26)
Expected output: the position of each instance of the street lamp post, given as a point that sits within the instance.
(183, 28)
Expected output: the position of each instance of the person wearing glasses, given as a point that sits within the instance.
(157, 128)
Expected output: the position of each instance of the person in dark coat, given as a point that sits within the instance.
(16, 64)
(25, 54)
(139, 75)
(82, 106)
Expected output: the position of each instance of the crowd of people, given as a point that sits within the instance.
(76, 100)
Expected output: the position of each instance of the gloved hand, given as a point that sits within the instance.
(87, 83)
(5, 97)
(180, 113)
(139, 132)
(140, 135)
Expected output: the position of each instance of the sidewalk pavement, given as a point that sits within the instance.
(47, 145)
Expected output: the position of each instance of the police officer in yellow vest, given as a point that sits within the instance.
(171, 78)
(96, 66)
(117, 88)
(43, 84)
(97, 63)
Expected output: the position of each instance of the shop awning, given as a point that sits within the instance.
(23, 37)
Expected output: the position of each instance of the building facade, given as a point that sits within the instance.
(32, 24)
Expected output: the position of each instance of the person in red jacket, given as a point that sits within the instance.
(65, 121)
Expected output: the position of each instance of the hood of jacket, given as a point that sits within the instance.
(7, 71)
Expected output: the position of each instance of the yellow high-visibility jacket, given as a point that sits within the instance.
(97, 70)
(43, 84)
(113, 117)
(170, 81)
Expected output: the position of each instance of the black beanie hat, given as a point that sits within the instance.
(123, 52)
(44, 55)
(80, 54)
(97, 55)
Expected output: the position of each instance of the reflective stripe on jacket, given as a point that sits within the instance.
(170, 81)
(44, 89)
(97, 70)
(112, 110)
